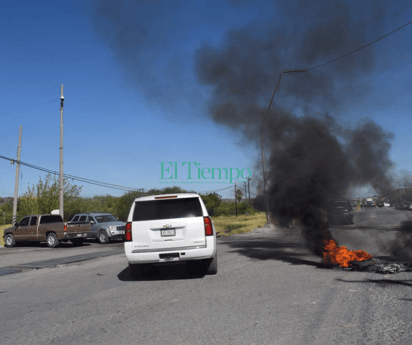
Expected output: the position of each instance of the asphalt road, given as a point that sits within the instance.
(269, 290)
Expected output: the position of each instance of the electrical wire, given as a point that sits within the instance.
(77, 178)
(68, 167)
(356, 50)
(218, 190)
(33, 106)
(95, 182)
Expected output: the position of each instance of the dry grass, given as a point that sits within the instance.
(239, 224)
(2, 227)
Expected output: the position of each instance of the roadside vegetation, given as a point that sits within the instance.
(44, 197)
(2, 227)
(230, 225)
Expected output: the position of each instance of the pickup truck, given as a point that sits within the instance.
(43, 227)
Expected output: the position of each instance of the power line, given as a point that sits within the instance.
(217, 190)
(356, 50)
(94, 182)
(33, 106)
(77, 178)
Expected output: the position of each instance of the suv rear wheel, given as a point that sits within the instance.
(211, 265)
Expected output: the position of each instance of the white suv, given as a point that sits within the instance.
(170, 228)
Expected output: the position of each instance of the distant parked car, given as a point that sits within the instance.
(386, 204)
(404, 206)
(101, 226)
(339, 211)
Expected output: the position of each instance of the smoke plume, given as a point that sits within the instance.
(311, 157)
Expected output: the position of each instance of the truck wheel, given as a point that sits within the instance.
(103, 238)
(211, 265)
(9, 241)
(52, 240)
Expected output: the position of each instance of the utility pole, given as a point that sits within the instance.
(265, 184)
(235, 200)
(61, 184)
(16, 183)
(248, 186)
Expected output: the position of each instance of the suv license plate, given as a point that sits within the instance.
(169, 232)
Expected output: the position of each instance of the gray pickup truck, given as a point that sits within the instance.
(40, 228)
(101, 226)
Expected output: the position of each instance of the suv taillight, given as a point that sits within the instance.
(65, 227)
(128, 232)
(208, 226)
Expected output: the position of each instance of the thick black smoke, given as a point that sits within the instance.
(400, 248)
(311, 157)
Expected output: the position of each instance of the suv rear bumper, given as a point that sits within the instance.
(136, 256)
(340, 218)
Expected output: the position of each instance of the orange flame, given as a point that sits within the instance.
(341, 255)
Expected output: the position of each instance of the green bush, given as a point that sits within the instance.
(229, 209)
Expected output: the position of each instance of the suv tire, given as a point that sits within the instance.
(211, 265)
(103, 237)
(52, 240)
(9, 241)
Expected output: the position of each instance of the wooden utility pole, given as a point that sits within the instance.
(61, 181)
(16, 182)
(248, 186)
(235, 200)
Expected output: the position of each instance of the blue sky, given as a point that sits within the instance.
(119, 126)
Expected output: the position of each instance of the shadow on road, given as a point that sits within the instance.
(157, 273)
(275, 249)
(379, 282)
(44, 245)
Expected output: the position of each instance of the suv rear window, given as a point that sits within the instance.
(51, 219)
(339, 204)
(167, 209)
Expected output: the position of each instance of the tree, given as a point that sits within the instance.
(124, 203)
(211, 200)
(44, 197)
(7, 212)
(239, 195)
